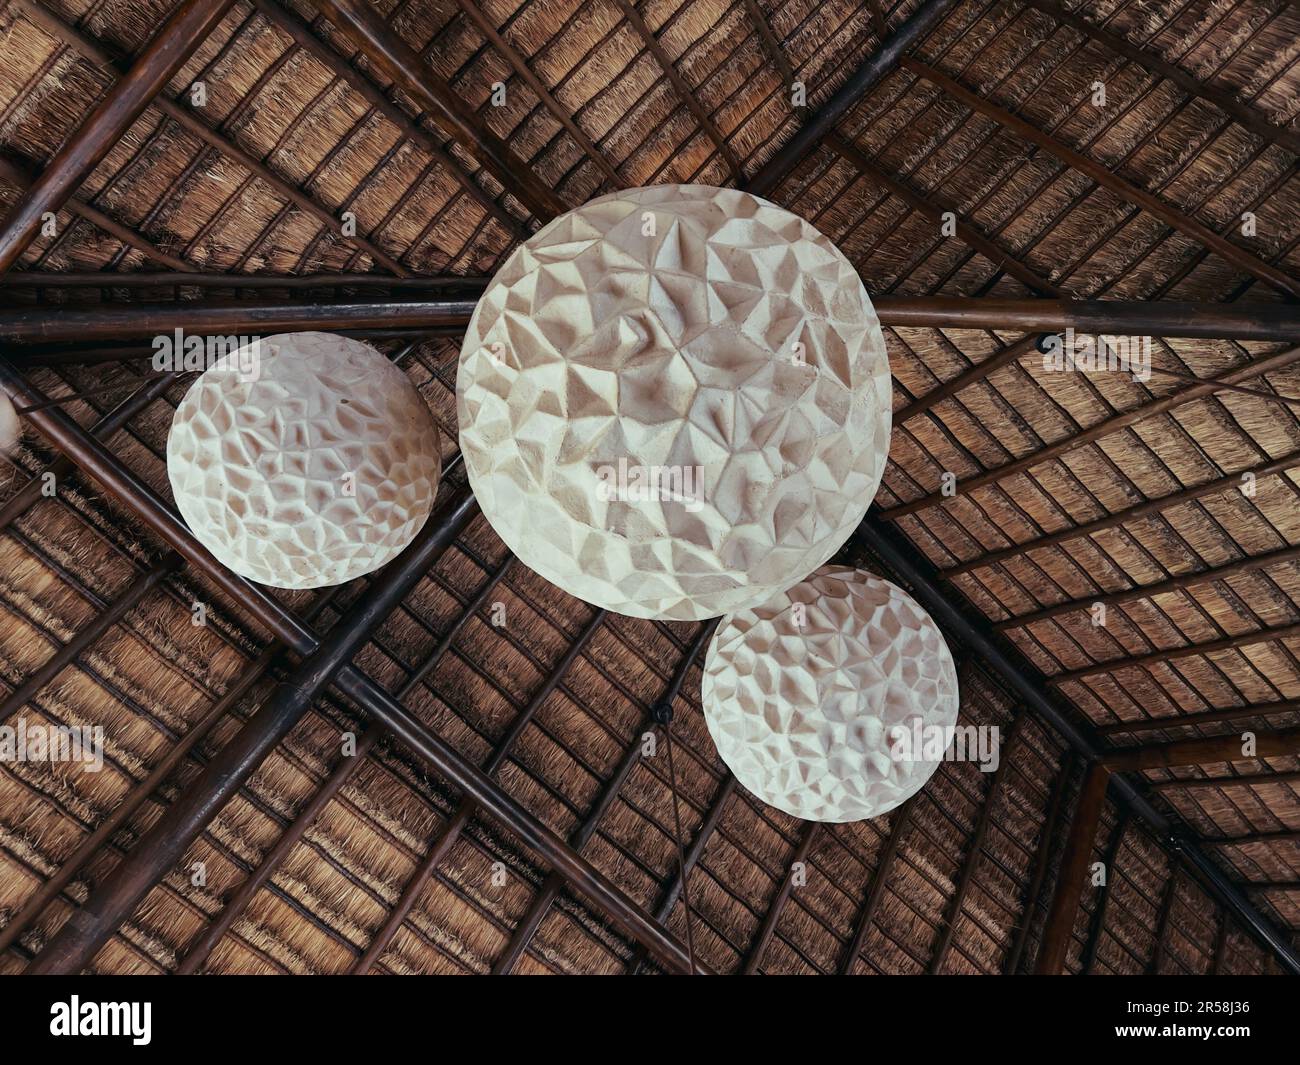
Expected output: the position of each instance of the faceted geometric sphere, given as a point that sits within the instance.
(675, 401)
(321, 469)
(801, 696)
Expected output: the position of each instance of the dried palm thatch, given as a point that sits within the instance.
(1020, 149)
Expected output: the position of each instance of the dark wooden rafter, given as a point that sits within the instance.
(1252, 369)
(343, 771)
(190, 121)
(879, 882)
(1147, 509)
(1070, 879)
(402, 65)
(76, 942)
(87, 634)
(975, 847)
(1056, 806)
(185, 29)
(526, 75)
(1203, 751)
(1110, 864)
(684, 92)
(1226, 100)
(1244, 780)
(1149, 591)
(301, 34)
(632, 755)
(767, 929)
(1163, 923)
(141, 792)
(1171, 216)
(22, 179)
(428, 307)
(1171, 654)
(120, 483)
(1219, 716)
(451, 831)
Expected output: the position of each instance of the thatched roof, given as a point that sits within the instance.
(296, 129)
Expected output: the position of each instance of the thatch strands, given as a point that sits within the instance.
(999, 173)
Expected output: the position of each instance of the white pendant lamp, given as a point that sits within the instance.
(825, 700)
(318, 467)
(675, 401)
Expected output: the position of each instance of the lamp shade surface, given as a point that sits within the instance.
(304, 460)
(834, 700)
(674, 401)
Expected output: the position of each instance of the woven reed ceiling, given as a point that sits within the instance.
(326, 864)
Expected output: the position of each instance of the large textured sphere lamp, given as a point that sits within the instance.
(674, 401)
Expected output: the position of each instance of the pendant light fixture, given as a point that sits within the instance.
(675, 401)
(303, 460)
(834, 700)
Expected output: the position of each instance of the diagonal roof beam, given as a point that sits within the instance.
(879, 881)
(881, 62)
(1027, 684)
(775, 908)
(1255, 368)
(684, 92)
(1228, 482)
(402, 65)
(183, 32)
(1224, 99)
(189, 121)
(1171, 216)
(121, 484)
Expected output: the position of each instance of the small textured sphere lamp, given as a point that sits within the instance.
(833, 700)
(303, 460)
(674, 401)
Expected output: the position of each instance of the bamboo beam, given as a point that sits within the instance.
(935, 212)
(85, 323)
(87, 634)
(446, 839)
(702, 836)
(974, 850)
(1013, 352)
(29, 494)
(554, 883)
(55, 282)
(1199, 751)
(22, 180)
(301, 34)
(1206, 717)
(1225, 100)
(1255, 368)
(185, 29)
(1146, 509)
(1255, 837)
(1179, 583)
(1055, 944)
(880, 63)
(1051, 824)
(879, 881)
(775, 908)
(402, 65)
(1172, 654)
(684, 93)
(77, 941)
(1162, 920)
(129, 490)
(1171, 216)
(1098, 924)
(343, 771)
(189, 121)
(1245, 780)
(107, 828)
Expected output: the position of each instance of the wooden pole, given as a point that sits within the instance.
(1073, 874)
(453, 305)
(1203, 751)
(187, 28)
